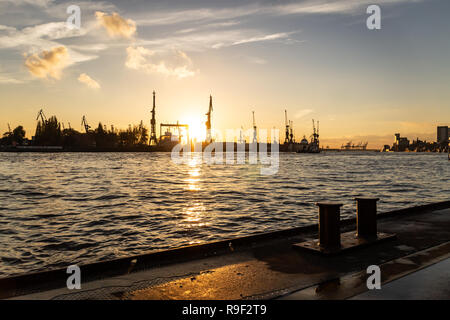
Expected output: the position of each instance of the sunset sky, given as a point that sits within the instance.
(317, 59)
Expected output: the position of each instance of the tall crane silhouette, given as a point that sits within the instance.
(291, 134)
(42, 116)
(153, 139)
(241, 139)
(315, 136)
(286, 139)
(208, 121)
(85, 124)
(255, 139)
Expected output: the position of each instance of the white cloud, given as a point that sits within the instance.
(48, 63)
(38, 3)
(256, 60)
(174, 63)
(268, 37)
(201, 41)
(40, 36)
(303, 113)
(115, 25)
(170, 17)
(4, 78)
(45, 56)
(87, 80)
(10, 78)
(7, 28)
(328, 7)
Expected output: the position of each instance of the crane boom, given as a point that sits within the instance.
(208, 121)
(286, 139)
(153, 139)
(42, 116)
(255, 136)
(85, 124)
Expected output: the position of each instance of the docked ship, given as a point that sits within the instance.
(304, 146)
(311, 146)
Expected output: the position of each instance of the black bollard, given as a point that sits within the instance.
(366, 218)
(331, 241)
(329, 225)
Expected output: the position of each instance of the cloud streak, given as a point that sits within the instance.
(41, 36)
(172, 17)
(330, 7)
(303, 113)
(9, 80)
(88, 81)
(175, 63)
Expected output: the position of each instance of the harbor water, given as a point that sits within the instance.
(58, 209)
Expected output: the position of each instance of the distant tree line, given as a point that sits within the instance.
(16, 137)
(49, 133)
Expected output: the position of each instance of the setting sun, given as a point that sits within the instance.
(197, 130)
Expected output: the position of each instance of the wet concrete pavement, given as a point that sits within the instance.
(431, 283)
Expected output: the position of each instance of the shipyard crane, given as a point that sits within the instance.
(286, 139)
(255, 139)
(42, 116)
(153, 138)
(241, 140)
(208, 121)
(85, 124)
(291, 134)
(364, 146)
(275, 141)
(315, 138)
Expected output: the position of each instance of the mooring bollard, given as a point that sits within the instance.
(329, 225)
(366, 217)
(331, 241)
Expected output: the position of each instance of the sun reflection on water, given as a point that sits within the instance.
(194, 212)
(193, 174)
(194, 215)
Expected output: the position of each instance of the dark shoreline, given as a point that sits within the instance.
(143, 148)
